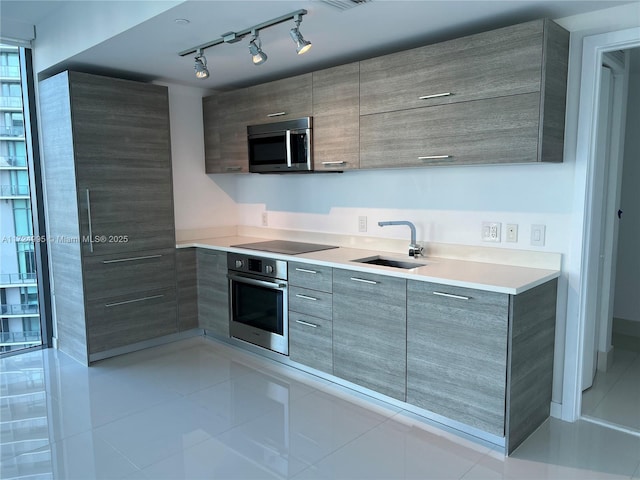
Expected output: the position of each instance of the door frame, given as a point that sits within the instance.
(593, 49)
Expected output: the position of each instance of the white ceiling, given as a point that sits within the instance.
(149, 51)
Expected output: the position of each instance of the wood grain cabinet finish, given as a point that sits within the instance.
(457, 353)
(467, 101)
(497, 130)
(315, 277)
(336, 112)
(226, 117)
(187, 289)
(213, 292)
(280, 100)
(369, 331)
(482, 358)
(311, 315)
(109, 194)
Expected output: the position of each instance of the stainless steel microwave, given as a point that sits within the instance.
(281, 147)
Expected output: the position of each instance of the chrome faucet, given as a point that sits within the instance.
(415, 250)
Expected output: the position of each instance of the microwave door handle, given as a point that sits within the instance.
(307, 141)
(288, 141)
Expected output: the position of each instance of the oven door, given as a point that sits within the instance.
(258, 311)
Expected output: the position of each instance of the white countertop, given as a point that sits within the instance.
(461, 273)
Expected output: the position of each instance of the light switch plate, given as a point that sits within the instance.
(512, 232)
(362, 223)
(537, 235)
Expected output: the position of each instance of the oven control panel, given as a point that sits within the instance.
(266, 267)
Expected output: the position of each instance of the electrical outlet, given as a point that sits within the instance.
(512, 232)
(362, 223)
(537, 235)
(491, 232)
(265, 219)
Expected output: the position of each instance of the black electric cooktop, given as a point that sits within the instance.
(285, 246)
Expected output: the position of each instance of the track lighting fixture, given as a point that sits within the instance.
(255, 44)
(200, 66)
(255, 49)
(302, 45)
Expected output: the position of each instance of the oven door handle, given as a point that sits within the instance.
(257, 283)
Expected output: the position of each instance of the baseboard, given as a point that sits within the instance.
(605, 359)
(556, 410)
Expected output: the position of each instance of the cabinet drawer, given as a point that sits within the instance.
(311, 302)
(124, 320)
(310, 341)
(499, 130)
(109, 276)
(311, 276)
(502, 62)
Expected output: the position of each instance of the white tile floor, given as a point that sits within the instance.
(615, 394)
(199, 409)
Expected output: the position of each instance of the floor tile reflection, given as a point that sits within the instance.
(200, 409)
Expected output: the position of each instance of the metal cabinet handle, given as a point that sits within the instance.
(131, 259)
(435, 95)
(276, 114)
(302, 322)
(434, 157)
(331, 164)
(233, 169)
(143, 299)
(356, 279)
(451, 295)
(90, 225)
(306, 297)
(305, 270)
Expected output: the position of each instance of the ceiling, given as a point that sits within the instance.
(149, 51)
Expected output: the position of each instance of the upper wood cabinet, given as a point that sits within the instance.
(280, 100)
(336, 116)
(507, 61)
(506, 90)
(495, 97)
(225, 132)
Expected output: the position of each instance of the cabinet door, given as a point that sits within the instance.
(213, 292)
(498, 63)
(125, 320)
(107, 276)
(310, 341)
(123, 164)
(370, 331)
(499, 130)
(187, 288)
(336, 114)
(280, 100)
(226, 117)
(457, 353)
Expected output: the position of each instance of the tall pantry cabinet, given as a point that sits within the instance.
(111, 228)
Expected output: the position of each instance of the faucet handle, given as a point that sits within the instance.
(415, 250)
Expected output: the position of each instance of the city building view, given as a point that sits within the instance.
(20, 326)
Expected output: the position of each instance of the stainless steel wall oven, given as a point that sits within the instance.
(258, 301)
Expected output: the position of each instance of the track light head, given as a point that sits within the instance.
(200, 66)
(255, 49)
(302, 45)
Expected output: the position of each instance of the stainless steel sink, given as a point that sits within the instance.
(389, 262)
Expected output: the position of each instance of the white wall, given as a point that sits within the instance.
(199, 202)
(627, 298)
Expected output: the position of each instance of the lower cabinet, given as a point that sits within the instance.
(457, 353)
(311, 316)
(370, 331)
(213, 292)
(187, 288)
(122, 321)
